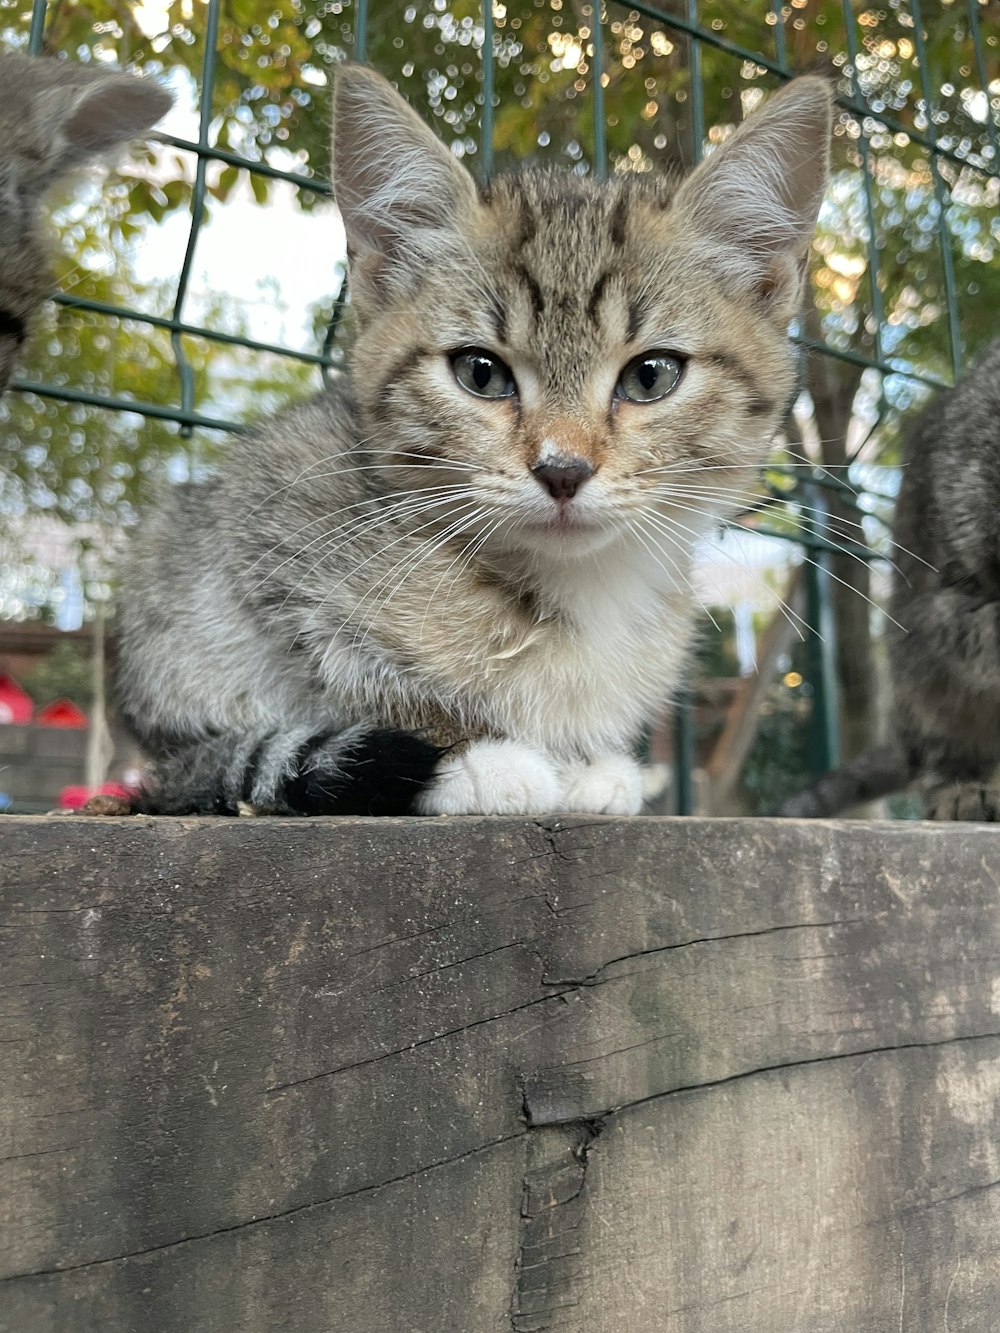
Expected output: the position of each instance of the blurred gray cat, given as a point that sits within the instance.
(54, 116)
(945, 661)
(459, 580)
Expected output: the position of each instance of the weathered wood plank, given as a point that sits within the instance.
(852, 1196)
(359, 1262)
(484, 1074)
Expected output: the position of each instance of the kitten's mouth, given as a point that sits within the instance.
(563, 518)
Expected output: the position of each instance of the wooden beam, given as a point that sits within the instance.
(582, 1074)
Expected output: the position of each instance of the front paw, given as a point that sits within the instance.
(611, 785)
(493, 778)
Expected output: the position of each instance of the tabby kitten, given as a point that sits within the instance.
(944, 653)
(459, 580)
(53, 116)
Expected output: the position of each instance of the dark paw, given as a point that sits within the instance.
(374, 773)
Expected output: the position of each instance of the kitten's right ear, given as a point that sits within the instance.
(402, 195)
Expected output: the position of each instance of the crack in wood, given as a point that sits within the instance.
(594, 978)
(410, 1046)
(271, 1217)
(540, 1113)
(553, 1202)
(969, 1192)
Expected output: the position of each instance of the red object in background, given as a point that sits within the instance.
(16, 705)
(73, 798)
(61, 713)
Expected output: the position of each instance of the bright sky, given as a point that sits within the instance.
(272, 260)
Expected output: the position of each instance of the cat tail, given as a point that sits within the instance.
(871, 774)
(299, 771)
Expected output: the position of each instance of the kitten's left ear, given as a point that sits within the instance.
(403, 196)
(755, 200)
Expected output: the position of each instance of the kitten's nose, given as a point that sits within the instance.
(562, 480)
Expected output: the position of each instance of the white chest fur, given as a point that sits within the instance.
(608, 654)
(572, 696)
(606, 649)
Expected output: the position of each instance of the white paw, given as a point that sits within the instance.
(494, 778)
(611, 785)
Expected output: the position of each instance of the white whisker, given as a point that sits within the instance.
(355, 529)
(365, 527)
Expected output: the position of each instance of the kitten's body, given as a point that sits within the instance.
(54, 115)
(944, 653)
(405, 566)
(566, 656)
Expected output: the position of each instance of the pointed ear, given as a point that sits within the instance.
(111, 110)
(402, 195)
(75, 112)
(755, 200)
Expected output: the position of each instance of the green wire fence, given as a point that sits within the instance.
(919, 91)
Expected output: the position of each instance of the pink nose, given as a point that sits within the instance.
(563, 480)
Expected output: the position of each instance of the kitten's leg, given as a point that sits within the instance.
(611, 785)
(297, 771)
(493, 778)
(872, 774)
(973, 801)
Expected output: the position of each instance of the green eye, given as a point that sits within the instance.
(482, 373)
(650, 377)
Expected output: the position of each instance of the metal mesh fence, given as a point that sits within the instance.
(904, 280)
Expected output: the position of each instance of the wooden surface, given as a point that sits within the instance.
(451, 1076)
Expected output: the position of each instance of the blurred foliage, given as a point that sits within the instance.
(716, 650)
(905, 238)
(78, 462)
(269, 102)
(777, 766)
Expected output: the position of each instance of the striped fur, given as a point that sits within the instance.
(390, 558)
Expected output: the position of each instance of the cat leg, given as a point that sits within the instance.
(493, 778)
(867, 777)
(294, 771)
(611, 785)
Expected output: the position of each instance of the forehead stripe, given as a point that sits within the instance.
(534, 291)
(596, 296)
(498, 316)
(636, 319)
(617, 222)
(529, 226)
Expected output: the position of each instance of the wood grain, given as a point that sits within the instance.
(586, 1075)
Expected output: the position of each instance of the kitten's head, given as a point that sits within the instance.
(54, 115)
(577, 360)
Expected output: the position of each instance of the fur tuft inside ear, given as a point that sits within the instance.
(402, 195)
(755, 200)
